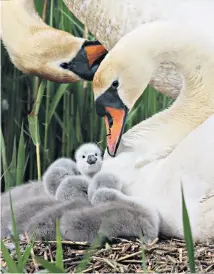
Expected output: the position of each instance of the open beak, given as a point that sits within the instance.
(115, 121)
(87, 60)
(110, 106)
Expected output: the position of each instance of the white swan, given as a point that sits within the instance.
(38, 49)
(185, 128)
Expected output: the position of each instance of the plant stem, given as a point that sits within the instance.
(38, 162)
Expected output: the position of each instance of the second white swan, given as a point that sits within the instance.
(174, 146)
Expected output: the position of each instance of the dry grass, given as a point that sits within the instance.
(124, 256)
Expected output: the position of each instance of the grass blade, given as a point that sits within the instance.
(60, 92)
(59, 250)
(34, 125)
(33, 116)
(20, 160)
(34, 129)
(7, 176)
(12, 167)
(188, 235)
(27, 253)
(49, 266)
(12, 266)
(15, 235)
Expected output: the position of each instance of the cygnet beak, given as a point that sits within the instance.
(91, 160)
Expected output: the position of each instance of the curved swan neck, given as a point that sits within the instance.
(19, 15)
(194, 105)
(98, 17)
(159, 42)
(21, 12)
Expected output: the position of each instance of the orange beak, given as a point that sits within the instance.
(94, 52)
(115, 121)
(111, 107)
(87, 60)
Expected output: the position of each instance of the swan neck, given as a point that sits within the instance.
(164, 42)
(21, 14)
(97, 15)
(19, 21)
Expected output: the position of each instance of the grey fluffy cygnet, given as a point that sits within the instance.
(44, 202)
(52, 177)
(73, 187)
(40, 213)
(110, 220)
(113, 214)
(19, 193)
(23, 212)
(67, 164)
(43, 224)
(103, 180)
(56, 172)
(72, 194)
(148, 221)
(88, 159)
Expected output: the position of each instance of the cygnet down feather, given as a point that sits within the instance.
(110, 220)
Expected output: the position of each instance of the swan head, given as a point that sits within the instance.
(119, 81)
(84, 62)
(56, 55)
(64, 60)
(88, 159)
(38, 49)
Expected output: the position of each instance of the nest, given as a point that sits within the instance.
(125, 256)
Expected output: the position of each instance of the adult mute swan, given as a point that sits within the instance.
(184, 129)
(38, 49)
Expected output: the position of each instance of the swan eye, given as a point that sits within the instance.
(115, 84)
(95, 154)
(83, 156)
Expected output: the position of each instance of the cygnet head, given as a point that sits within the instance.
(88, 159)
(53, 177)
(73, 187)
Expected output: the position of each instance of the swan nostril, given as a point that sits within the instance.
(64, 65)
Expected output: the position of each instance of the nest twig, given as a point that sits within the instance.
(125, 257)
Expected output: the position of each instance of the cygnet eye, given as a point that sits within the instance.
(115, 84)
(95, 154)
(83, 156)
